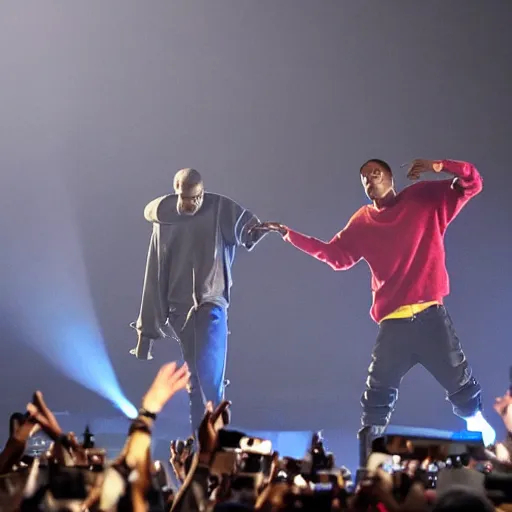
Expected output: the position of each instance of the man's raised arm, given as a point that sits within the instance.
(449, 196)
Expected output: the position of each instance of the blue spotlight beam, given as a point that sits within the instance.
(52, 299)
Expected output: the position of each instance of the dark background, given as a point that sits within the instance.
(277, 103)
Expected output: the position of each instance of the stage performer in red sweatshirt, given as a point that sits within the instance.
(401, 237)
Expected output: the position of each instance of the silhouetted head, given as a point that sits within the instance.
(462, 499)
(377, 179)
(188, 185)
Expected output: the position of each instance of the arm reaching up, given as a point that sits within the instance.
(448, 196)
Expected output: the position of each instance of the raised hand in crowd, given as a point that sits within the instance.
(170, 379)
(180, 457)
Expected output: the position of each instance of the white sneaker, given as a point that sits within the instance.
(478, 423)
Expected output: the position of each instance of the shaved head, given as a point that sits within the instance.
(187, 178)
(384, 165)
(188, 185)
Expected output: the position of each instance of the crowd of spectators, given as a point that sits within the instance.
(221, 468)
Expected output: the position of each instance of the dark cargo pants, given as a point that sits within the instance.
(428, 339)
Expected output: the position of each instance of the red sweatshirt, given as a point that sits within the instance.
(403, 243)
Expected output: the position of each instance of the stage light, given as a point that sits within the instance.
(50, 294)
(478, 423)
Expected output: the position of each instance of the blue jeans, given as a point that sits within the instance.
(428, 339)
(204, 342)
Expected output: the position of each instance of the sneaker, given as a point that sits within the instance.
(477, 423)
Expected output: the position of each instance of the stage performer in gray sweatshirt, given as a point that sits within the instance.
(187, 281)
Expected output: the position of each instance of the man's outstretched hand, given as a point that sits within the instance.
(420, 166)
(267, 227)
(170, 379)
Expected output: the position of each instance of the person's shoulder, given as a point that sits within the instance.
(424, 189)
(215, 201)
(162, 209)
(416, 188)
(225, 203)
(359, 216)
(214, 198)
(218, 198)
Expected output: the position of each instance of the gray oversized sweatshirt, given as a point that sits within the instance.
(190, 257)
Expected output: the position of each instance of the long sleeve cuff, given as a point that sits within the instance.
(466, 173)
(250, 240)
(462, 170)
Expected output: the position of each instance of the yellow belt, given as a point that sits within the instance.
(410, 310)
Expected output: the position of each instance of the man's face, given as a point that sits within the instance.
(376, 181)
(190, 199)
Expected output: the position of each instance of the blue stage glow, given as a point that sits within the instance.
(466, 435)
(85, 359)
(478, 423)
(50, 294)
(77, 350)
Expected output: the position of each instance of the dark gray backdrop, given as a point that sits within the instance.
(277, 103)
